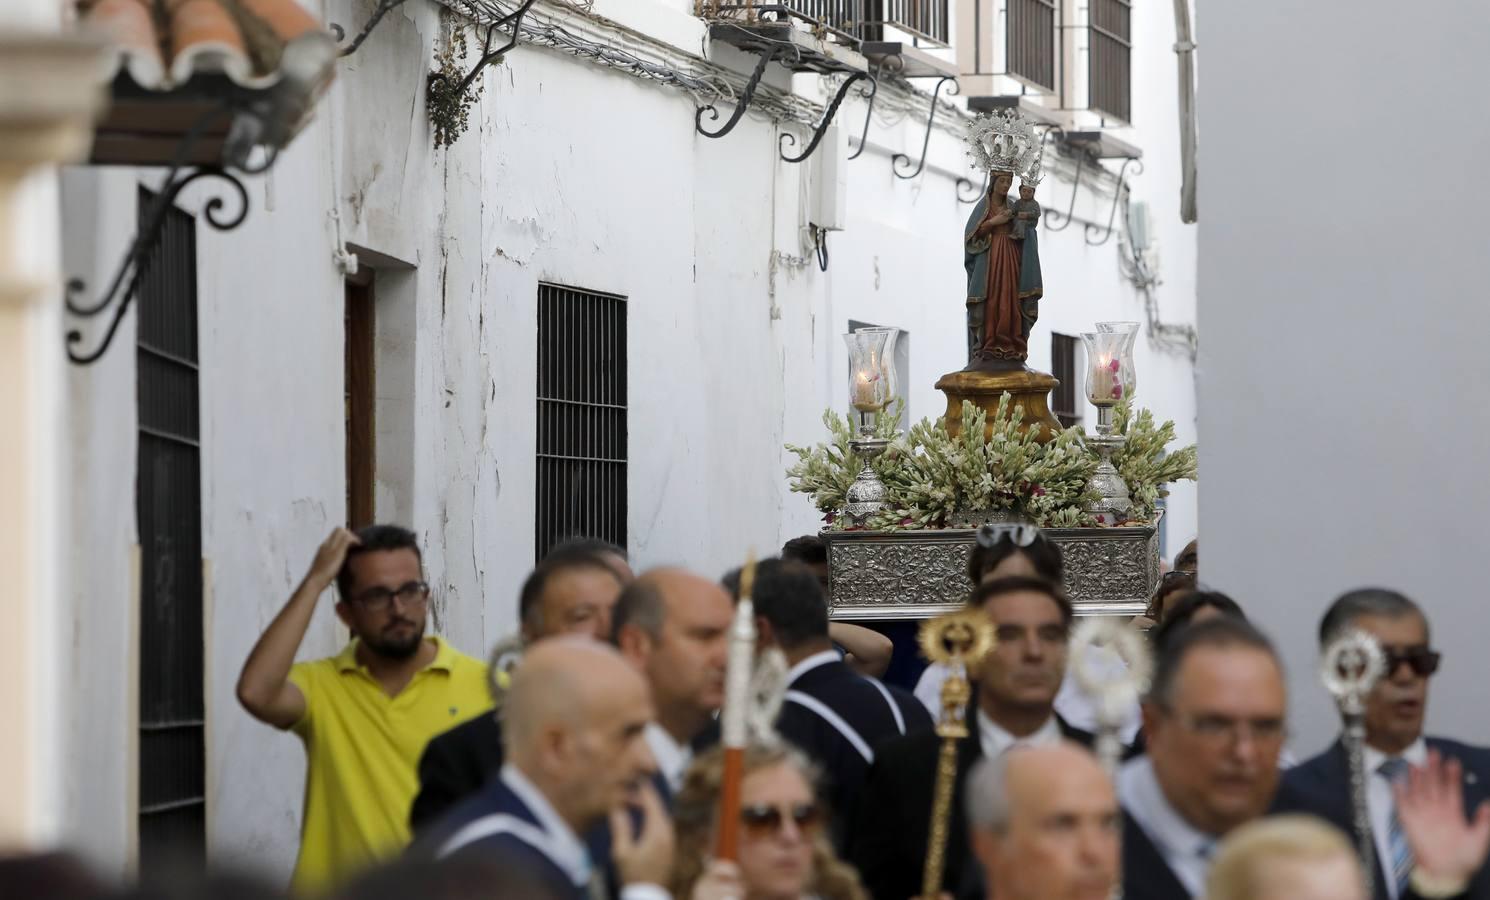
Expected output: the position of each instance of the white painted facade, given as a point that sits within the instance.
(575, 174)
(1343, 366)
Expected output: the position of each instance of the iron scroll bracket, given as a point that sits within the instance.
(1055, 220)
(822, 127)
(874, 89)
(126, 281)
(741, 103)
(1117, 196)
(964, 185)
(384, 8)
(900, 159)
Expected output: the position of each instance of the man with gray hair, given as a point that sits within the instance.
(1043, 821)
(1394, 744)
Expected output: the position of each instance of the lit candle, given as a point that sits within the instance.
(866, 397)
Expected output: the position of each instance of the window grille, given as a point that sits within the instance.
(1110, 67)
(1067, 396)
(581, 472)
(168, 507)
(1031, 41)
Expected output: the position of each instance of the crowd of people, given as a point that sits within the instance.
(583, 759)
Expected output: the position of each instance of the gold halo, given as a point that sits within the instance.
(969, 628)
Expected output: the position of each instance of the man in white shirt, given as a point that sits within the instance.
(1394, 744)
(673, 626)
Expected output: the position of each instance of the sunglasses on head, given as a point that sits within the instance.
(1421, 660)
(1020, 533)
(763, 820)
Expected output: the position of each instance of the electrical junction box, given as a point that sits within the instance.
(828, 206)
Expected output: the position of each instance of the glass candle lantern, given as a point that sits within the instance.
(871, 356)
(1127, 373)
(1110, 378)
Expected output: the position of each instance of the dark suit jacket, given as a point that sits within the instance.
(454, 766)
(858, 702)
(1146, 876)
(893, 820)
(501, 816)
(1321, 786)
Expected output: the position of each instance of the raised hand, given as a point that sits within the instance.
(330, 558)
(721, 881)
(1430, 806)
(646, 858)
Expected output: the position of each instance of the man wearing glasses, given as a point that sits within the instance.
(365, 714)
(1394, 744)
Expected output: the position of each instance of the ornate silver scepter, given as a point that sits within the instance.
(1113, 691)
(1350, 666)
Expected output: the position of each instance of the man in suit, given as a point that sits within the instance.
(1044, 824)
(1394, 743)
(830, 712)
(1013, 703)
(576, 759)
(673, 627)
(572, 591)
(1214, 723)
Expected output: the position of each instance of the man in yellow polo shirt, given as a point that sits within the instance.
(366, 713)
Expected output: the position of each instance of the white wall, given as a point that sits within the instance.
(1343, 361)
(572, 174)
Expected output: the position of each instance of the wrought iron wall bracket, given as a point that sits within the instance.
(126, 280)
(874, 89)
(1117, 196)
(384, 8)
(817, 134)
(900, 159)
(1055, 220)
(741, 103)
(964, 185)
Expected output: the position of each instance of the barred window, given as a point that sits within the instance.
(1030, 34)
(581, 473)
(1110, 69)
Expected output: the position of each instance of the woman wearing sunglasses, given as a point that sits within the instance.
(783, 851)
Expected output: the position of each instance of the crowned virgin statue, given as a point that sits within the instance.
(1000, 248)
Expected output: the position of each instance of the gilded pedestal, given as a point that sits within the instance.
(1027, 389)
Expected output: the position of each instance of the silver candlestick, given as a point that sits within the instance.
(1112, 503)
(1350, 667)
(866, 496)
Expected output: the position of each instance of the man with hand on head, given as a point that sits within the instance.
(365, 714)
(573, 591)
(577, 764)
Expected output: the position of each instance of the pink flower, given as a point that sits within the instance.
(1114, 366)
(1037, 491)
(1117, 392)
(907, 520)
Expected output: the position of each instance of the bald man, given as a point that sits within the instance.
(1044, 823)
(673, 627)
(576, 758)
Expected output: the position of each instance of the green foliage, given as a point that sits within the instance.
(1142, 461)
(929, 474)
(448, 106)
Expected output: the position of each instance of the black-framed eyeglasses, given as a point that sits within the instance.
(1422, 660)
(764, 819)
(1021, 534)
(415, 593)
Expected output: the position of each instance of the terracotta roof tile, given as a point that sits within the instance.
(162, 44)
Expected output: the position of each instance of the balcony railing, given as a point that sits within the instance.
(1031, 41)
(851, 20)
(1110, 70)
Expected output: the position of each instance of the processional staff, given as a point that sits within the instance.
(1113, 692)
(1350, 666)
(735, 716)
(960, 641)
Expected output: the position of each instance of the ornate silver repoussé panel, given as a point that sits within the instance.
(919, 574)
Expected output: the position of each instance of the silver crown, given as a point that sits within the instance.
(1005, 141)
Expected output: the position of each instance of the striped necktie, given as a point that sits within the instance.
(1401, 855)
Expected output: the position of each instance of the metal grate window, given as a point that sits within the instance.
(168, 507)
(581, 416)
(1066, 398)
(1110, 71)
(1031, 41)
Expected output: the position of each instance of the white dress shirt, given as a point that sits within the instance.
(1380, 803)
(1186, 849)
(810, 663)
(1071, 702)
(996, 741)
(672, 757)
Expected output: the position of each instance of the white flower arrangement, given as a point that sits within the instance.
(929, 475)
